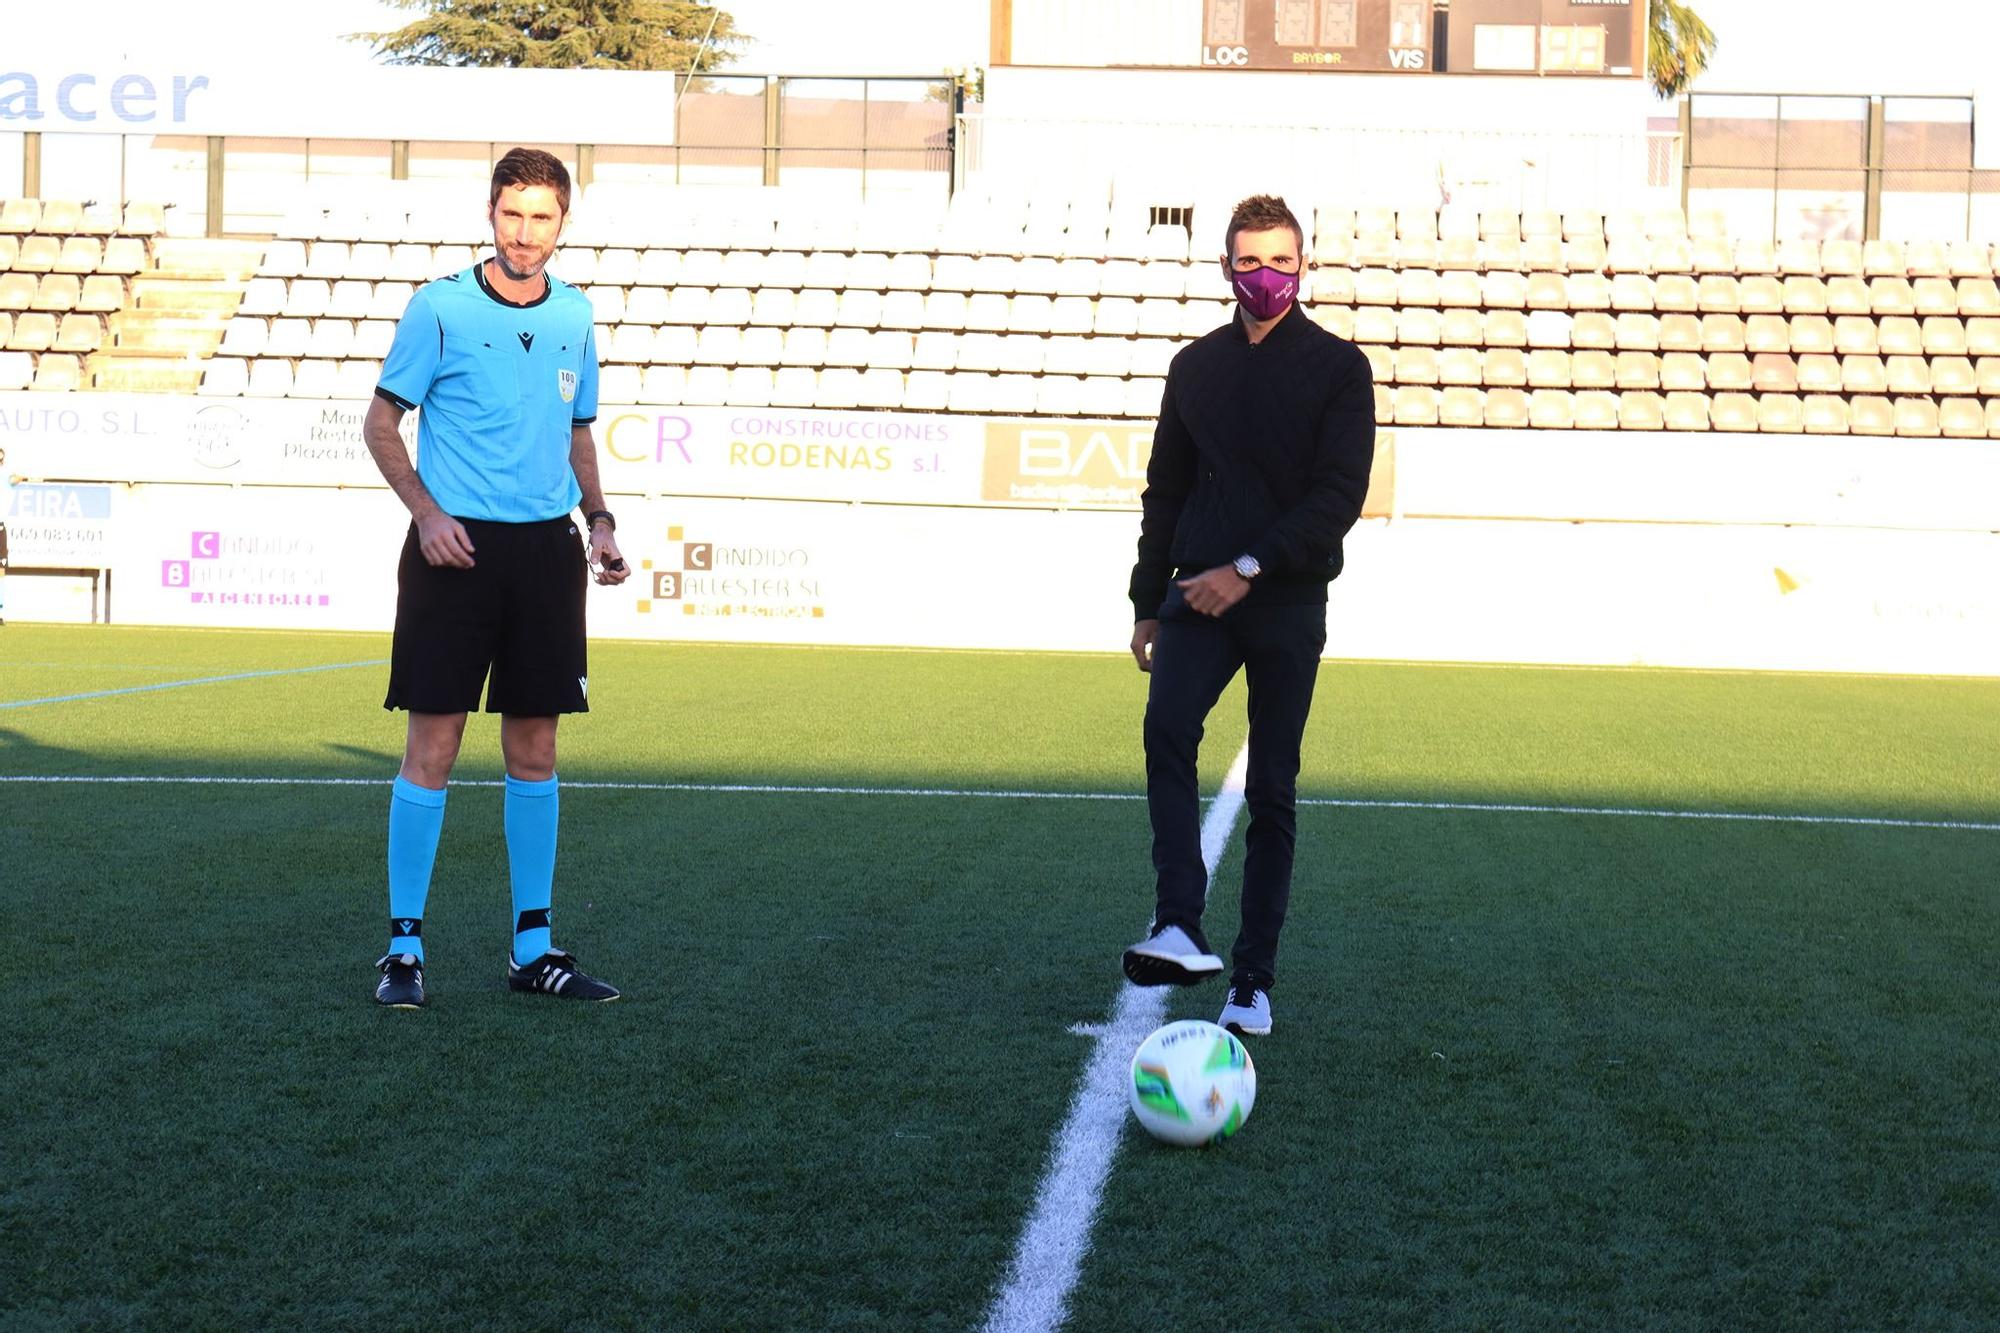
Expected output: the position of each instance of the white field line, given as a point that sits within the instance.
(183, 684)
(1035, 1293)
(1002, 794)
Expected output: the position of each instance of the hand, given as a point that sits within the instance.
(1214, 591)
(606, 565)
(1143, 635)
(443, 540)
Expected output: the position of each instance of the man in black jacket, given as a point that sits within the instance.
(1259, 467)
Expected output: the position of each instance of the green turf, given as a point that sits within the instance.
(1531, 1070)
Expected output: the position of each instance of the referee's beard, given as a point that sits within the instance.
(522, 262)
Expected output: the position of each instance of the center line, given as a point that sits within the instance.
(1035, 1295)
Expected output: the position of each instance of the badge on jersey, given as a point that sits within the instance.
(566, 384)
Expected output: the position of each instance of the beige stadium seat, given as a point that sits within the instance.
(1825, 414)
(1756, 255)
(1585, 254)
(315, 378)
(1712, 254)
(1332, 285)
(1375, 286)
(1676, 292)
(1987, 370)
(1506, 409)
(1730, 372)
(269, 378)
(1461, 406)
(10, 252)
(1551, 409)
(57, 373)
(1804, 296)
(1670, 254)
(1581, 224)
(1798, 255)
(1385, 405)
(1465, 366)
(722, 345)
(947, 310)
(1375, 249)
(38, 254)
(905, 310)
(1774, 372)
(1505, 367)
(373, 337)
(1593, 370)
(1926, 259)
(1760, 294)
(1971, 259)
(1863, 374)
(1819, 373)
(101, 294)
(1417, 252)
(1733, 412)
(1375, 324)
(1840, 257)
(1057, 396)
(1637, 370)
(1542, 254)
(1687, 411)
(1628, 254)
(1909, 375)
(1900, 335)
(1680, 333)
(1631, 291)
(244, 336)
(1916, 418)
(1075, 276)
(936, 349)
(20, 216)
(1594, 329)
(1499, 224)
(805, 347)
(1457, 222)
(83, 254)
(1504, 291)
(1855, 335)
(225, 377)
(1982, 336)
(791, 386)
(1416, 405)
(1460, 252)
(1381, 363)
(1944, 335)
(1158, 317)
(1978, 297)
(1961, 419)
(1883, 258)
(368, 261)
(1458, 288)
(331, 340)
(1595, 409)
(350, 299)
(629, 344)
(1077, 315)
(1935, 296)
(1717, 294)
(1547, 291)
(1767, 333)
(1847, 296)
(1103, 396)
(1467, 328)
(17, 291)
(32, 333)
(1548, 369)
(1780, 414)
(1952, 376)
(1892, 296)
(1812, 333)
(1641, 410)
(1683, 371)
(1335, 319)
(861, 308)
(1541, 222)
(1419, 327)
(1506, 328)
(1722, 333)
(1638, 332)
(1419, 287)
(1549, 328)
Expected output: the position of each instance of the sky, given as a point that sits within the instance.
(1930, 46)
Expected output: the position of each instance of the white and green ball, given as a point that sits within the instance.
(1192, 1083)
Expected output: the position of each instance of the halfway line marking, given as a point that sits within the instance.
(1049, 1257)
(995, 794)
(178, 684)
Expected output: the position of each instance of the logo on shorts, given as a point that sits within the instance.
(566, 384)
(583, 686)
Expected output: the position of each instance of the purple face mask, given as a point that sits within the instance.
(1264, 292)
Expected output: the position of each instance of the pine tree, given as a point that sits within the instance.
(561, 34)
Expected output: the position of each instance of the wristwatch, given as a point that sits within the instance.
(590, 519)
(1246, 568)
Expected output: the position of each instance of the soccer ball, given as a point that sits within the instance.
(1192, 1083)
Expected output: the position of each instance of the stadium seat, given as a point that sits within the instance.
(1978, 297)
(83, 254)
(1819, 373)
(1680, 333)
(1780, 414)
(1683, 371)
(57, 373)
(1593, 370)
(1504, 291)
(1863, 374)
(1722, 333)
(1577, 225)
(1760, 295)
(1934, 296)
(1385, 405)
(923, 391)
(1716, 293)
(1548, 368)
(1908, 375)
(34, 332)
(1638, 332)
(1870, 414)
(1551, 409)
(1543, 254)
(1637, 370)
(1982, 336)
(1593, 409)
(1374, 324)
(1970, 259)
(1419, 287)
(1416, 365)
(1840, 258)
(1756, 255)
(1798, 255)
(1767, 333)
(1926, 259)
(722, 345)
(1416, 405)
(1547, 291)
(708, 386)
(1712, 254)
(224, 377)
(269, 378)
(1890, 296)
(1812, 333)
(1943, 335)
(1952, 376)
(58, 293)
(905, 310)
(1962, 419)
(142, 219)
(1585, 254)
(244, 336)
(1733, 412)
(1459, 289)
(1773, 372)
(1506, 409)
(1825, 414)
(1805, 296)
(667, 386)
(1461, 406)
(1687, 411)
(17, 291)
(314, 378)
(1504, 367)
(102, 293)
(805, 345)
(1916, 418)
(1899, 335)
(1676, 292)
(331, 339)
(1628, 254)
(1335, 319)
(1641, 411)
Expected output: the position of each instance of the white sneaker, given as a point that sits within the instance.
(1248, 1013)
(1169, 957)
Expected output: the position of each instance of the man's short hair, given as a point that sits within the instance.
(530, 166)
(1263, 212)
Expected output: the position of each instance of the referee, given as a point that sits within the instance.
(502, 361)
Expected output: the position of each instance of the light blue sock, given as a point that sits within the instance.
(530, 820)
(416, 817)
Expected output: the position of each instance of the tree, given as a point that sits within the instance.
(1678, 47)
(562, 34)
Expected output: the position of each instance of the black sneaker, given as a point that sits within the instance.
(402, 983)
(556, 973)
(1248, 1012)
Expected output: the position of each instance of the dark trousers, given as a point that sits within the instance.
(1194, 659)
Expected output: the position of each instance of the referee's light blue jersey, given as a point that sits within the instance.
(499, 386)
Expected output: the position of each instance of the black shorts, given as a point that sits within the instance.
(517, 612)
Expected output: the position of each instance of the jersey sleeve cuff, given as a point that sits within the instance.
(390, 397)
(574, 421)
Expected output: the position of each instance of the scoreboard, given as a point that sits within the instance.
(1316, 34)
